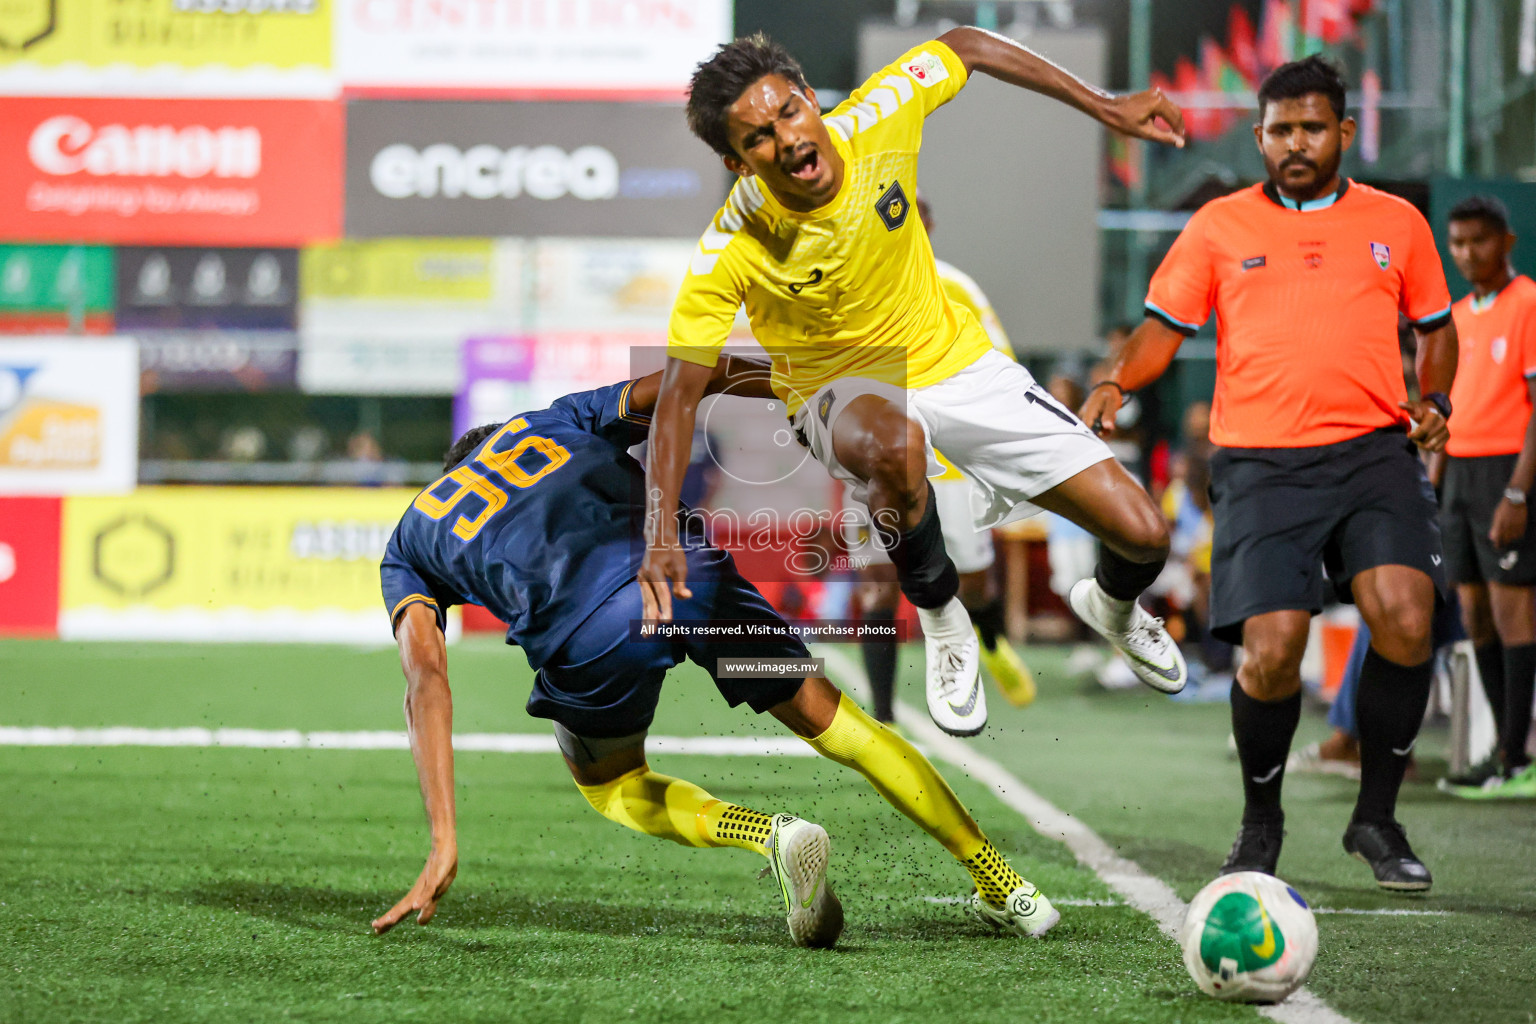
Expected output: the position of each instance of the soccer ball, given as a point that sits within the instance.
(1248, 937)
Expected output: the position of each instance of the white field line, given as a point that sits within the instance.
(1150, 895)
(287, 739)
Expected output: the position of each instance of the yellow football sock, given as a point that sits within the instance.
(911, 784)
(667, 808)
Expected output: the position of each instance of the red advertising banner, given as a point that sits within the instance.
(165, 171)
(29, 566)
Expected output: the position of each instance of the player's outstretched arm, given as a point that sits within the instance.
(1144, 358)
(1435, 366)
(664, 571)
(1143, 115)
(739, 376)
(429, 720)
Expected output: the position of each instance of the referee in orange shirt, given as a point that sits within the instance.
(1315, 470)
(1490, 467)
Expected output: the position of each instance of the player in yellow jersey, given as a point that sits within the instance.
(969, 548)
(876, 366)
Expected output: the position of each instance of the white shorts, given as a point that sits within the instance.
(969, 548)
(991, 420)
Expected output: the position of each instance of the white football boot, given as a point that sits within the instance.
(798, 851)
(1133, 631)
(1026, 912)
(955, 698)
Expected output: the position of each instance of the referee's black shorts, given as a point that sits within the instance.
(1474, 486)
(1285, 515)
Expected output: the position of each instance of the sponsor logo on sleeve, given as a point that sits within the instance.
(926, 69)
(1253, 263)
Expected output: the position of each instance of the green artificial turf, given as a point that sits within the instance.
(237, 885)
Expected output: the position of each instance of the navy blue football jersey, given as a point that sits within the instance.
(540, 524)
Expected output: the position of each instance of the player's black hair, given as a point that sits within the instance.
(1485, 208)
(468, 443)
(720, 81)
(1302, 77)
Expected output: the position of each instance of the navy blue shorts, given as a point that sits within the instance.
(603, 683)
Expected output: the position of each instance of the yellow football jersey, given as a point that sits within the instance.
(849, 289)
(963, 290)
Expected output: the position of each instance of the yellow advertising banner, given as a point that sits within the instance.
(427, 269)
(187, 33)
(228, 563)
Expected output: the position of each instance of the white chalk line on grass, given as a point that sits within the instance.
(1151, 895)
(292, 739)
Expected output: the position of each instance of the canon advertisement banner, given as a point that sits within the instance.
(207, 289)
(586, 169)
(578, 47)
(242, 172)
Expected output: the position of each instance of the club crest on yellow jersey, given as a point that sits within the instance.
(892, 206)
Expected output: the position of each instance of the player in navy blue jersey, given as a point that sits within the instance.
(540, 519)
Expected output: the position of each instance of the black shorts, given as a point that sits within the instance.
(1284, 516)
(1473, 489)
(604, 683)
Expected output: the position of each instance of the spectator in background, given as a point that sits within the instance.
(243, 444)
(367, 458)
(1490, 468)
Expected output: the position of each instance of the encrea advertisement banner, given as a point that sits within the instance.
(527, 169)
(237, 563)
(158, 171)
(542, 47)
(69, 416)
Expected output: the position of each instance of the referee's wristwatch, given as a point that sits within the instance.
(1514, 495)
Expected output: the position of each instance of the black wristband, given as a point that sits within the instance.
(1440, 400)
(1109, 384)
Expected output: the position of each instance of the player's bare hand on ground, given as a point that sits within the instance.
(431, 884)
(1147, 115)
(1431, 431)
(663, 573)
(1100, 410)
(1508, 524)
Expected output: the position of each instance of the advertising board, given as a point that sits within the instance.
(210, 563)
(48, 289)
(29, 566)
(69, 415)
(179, 288)
(527, 169)
(538, 47)
(170, 171)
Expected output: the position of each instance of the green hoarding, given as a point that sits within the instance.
(56, 278)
